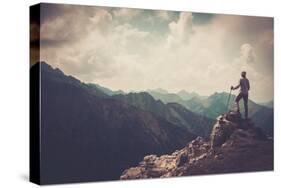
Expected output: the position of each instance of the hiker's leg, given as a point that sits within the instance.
(237, 101)
(245, 99)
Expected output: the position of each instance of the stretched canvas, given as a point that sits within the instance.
(122, 93)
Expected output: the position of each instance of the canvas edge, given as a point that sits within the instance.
(34, 96)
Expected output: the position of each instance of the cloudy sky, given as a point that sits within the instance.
(133, 49)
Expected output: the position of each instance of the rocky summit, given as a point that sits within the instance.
(235, 145)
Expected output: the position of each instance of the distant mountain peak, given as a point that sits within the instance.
(185, 92)
(47, 67)
(158, 90)
(106, 90)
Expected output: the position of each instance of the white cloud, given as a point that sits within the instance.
(126, 13)
(247, 53)
(101, 19)
(180, 30)
(129, 32)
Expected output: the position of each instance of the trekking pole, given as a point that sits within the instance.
(227, 105)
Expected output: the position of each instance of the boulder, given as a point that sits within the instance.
(223, 129)
(233, 116)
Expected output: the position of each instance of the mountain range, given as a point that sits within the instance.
(216, 104)
(92, 133)
(211, 106)
(88, 135)
(172, 112)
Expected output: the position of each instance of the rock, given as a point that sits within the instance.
(167, 175)
(233, 116)
(232, 141)
(157, 172)
(132, 173)
(259, 134)
(182, 159)
(198, 141)
(221, 132)
(150, 158)
(218, 157)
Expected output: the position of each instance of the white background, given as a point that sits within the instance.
(14, 88)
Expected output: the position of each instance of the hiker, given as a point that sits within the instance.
(244, 85)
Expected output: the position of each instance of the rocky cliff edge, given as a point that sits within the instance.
(235, 145)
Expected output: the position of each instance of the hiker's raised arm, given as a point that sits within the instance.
(236, 87)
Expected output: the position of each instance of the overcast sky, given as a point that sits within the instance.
(133, 49)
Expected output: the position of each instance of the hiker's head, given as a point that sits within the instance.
(243, 74)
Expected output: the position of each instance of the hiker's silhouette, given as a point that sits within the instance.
(244, 86)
